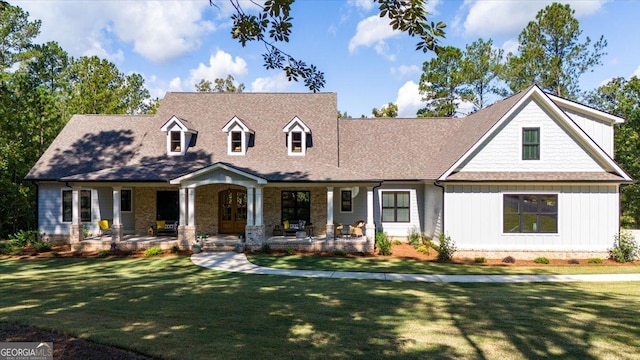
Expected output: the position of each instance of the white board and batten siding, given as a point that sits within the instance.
(50, 210)
(558, 149)
(599, 130)
(587, 218)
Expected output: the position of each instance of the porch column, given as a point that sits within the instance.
(330, 228)
(250, 205)
(192, 207)
(116, 226)
(76, 235)
(370, 227)
(183, 207)
(258, 205)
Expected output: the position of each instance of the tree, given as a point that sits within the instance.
(481, 67)
(389, 111)
(622, 97)
(551, 54)
(443, 84)
(343, 115)
(16, 34)
(220, 85)
(273, 24)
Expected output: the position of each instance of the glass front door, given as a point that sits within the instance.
(233, 211)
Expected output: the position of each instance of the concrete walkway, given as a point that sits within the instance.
(234, 262)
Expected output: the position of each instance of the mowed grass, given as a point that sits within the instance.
(167, 307)
(413, 266)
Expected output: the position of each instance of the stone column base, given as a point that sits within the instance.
(76, 234)
(116, 231)
(187, 236)
(370, 232)
(254, 236)
(331, 233)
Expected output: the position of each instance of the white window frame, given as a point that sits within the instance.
(175, 125)
(235, 125)
(296, 126)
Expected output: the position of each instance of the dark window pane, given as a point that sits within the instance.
(395, 206)
(530, 213)
(296, 141)
(511, 223)
(549, 223)
(296, 205)
(388, 215)
(236, 141)
(531, 143)
(346, 201)
(175, 141)
(125, 200)
(67, 201)
(402, 215)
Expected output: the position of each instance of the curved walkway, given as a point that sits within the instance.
(234, 262)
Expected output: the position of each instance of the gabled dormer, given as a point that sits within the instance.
(298, 137)
(239, 136)
(179, 136)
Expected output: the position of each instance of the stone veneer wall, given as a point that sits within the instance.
(272, 210)
(145, 207)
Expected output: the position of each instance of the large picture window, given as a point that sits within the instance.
(296, 205)
(395, 206)
(85, 205)
(530, 213)
(531, 144)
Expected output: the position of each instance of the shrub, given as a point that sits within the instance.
(625, 247)
(414, 237)
(423, 249)
(574, 261)
(509, 260)
(383, 243)
(175, 249)
(41, 246)
(541, 260)
(480, 260)
(266, 249)
(153, 251)
(55, 254)
(396, 242)
(446, 248)
(24, 237)
(103, 253)
(289, 251)
(339, 252)
(594, 261)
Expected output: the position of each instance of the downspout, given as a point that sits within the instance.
(437, 183)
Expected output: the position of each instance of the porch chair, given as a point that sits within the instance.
(337, 229)
(105, 228)
(355, 229)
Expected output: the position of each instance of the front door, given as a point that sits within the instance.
(233, 211)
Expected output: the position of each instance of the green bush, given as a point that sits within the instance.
(625, 247)
(509, 260)
(541, 260)
(175, 249)
(396, 242)
(41, 246)
(414, 237)
(340, 253)
(383, 243)
(24, 237)
(153, 251)
(446, 248)
(103, 253)
(480, 260)
(266, 249)
(289, 251)
(594, 261)
(423, 249)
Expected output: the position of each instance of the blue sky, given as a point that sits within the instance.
(174, 44)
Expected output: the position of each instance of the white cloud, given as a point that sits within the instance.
(372, 32)
(488, 18)
(99, 51)
(365, 5)
(175, 84)
(510, 46)
(405, 70)
(636, 72)
(158, 30)
(271, 84)
(409, 100)
(220, 65)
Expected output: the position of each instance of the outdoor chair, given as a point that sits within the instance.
(355, 229)
(337, 229)
(105, 228)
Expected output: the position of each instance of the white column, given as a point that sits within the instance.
(192, 207)
(116, 205)
(250, 205)
(330, 205)
(75, 205)
(183, 206)
(370, 205)
(258, 205)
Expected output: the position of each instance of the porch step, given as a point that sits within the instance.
(220, 245)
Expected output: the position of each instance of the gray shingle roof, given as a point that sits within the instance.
(133, 148)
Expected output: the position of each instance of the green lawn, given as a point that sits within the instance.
(167, 307)
(411, 266)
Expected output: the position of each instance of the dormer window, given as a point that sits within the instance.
(298, 137)
(239, 136)
(179, 136)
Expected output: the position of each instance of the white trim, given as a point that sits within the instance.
(236, 125)
(214, 167)
(578, 133)
(296, 126)
(610, 118)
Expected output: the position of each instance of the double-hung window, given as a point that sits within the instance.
(395, 206)
(296, 205)
(346, 204)
(531, 144)
(85, 205)
(530, 213)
